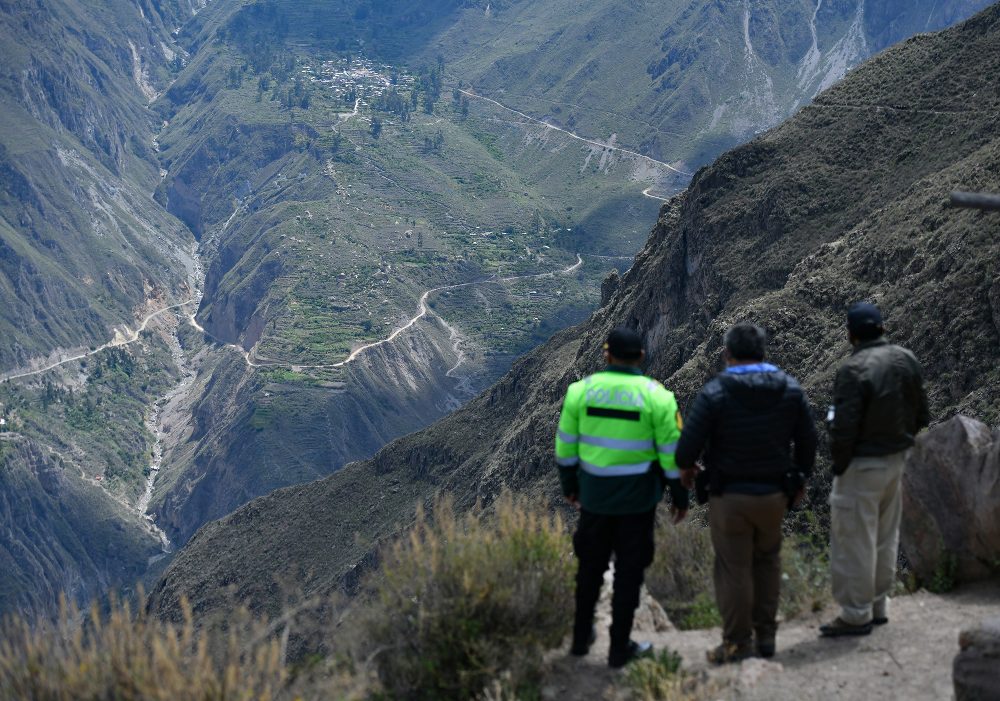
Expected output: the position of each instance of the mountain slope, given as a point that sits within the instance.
(690, 78)
(82, 242)
(320, 237)
(86, 253)
(844, 201)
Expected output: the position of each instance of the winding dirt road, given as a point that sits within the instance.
(585, 140)
(422, 311)
(116, 342)
(646, 193)
(257, 362)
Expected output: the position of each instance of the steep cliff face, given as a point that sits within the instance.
(693, 77)
(62, 535)
(843, 202)
(82, 242)
(250, 436)
(85, 252)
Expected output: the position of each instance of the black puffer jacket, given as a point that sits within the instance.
(744, 421)
(879, 403)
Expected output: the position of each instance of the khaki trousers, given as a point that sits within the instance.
(865, 509)
(746, 535)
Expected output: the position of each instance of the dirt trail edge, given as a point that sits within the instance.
(909, 658)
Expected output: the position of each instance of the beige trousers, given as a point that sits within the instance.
(865, 509)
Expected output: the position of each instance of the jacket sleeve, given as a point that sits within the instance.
(567, 444)
(667, 432)
(805, 438)
(697, 427)
(848, 413)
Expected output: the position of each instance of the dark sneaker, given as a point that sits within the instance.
(765, 648)
(617, 659)
(729, 652)
(839, 627)
(880, 620)
(579, 649)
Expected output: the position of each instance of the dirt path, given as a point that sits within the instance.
(585, 140)
(119, 340)
(910, 658)
(422, 311)
(646, 193)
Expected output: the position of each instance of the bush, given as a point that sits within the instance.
(680, 577)
(660, 678)
(466, 599)
(805, 576)
(131, 657)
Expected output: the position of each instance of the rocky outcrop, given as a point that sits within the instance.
(977, 667)
(951, 502)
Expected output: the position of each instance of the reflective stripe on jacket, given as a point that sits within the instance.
(621, 428)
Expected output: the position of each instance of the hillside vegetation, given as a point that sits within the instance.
(338, 163)
(845, 201)
(245, 243)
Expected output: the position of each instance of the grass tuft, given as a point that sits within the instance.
(128, 656)
(467, 599)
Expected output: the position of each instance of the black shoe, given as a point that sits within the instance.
(839, 627)
(765, 648)
(580, 649)
(880, 620)
(617, 660)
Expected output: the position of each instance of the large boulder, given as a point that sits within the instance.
(951, 503)
(977, 667)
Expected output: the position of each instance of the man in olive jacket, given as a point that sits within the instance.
(879, 405)
(743, 424)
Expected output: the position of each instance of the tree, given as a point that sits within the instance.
(376, 127)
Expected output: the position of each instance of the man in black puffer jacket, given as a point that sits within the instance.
(744, 422)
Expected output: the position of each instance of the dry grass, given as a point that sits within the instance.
(468, 599)
(680, 577)
(128, 656)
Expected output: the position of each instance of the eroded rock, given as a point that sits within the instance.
(951, 503)
(977, 667)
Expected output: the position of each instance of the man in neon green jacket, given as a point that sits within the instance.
(618, 431)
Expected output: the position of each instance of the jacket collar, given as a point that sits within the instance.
(865, 345)
(751, 369)
(623, 368)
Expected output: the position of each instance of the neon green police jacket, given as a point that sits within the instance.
(618, 431)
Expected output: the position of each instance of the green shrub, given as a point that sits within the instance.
(659, 678)
(703, 612)
(464, 599)
(805, 577)
(945, 574)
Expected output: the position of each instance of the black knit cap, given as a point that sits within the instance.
(863, 318)
(624, 344)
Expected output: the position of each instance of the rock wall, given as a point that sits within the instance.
(951, 503)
